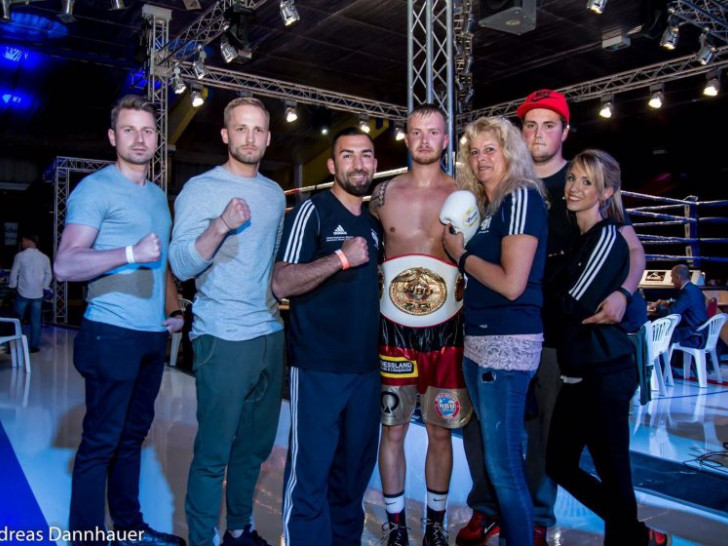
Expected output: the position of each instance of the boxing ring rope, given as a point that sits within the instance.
(326, 185)
(670, 213)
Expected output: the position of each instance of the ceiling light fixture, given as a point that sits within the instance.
(597, 6)
(67, 14)
(291, 114)
(364, 123)
(289, 13)
(707, 50)
(198, 67)
(712, 86)
(657, 96)
(228, 52)
(178, 84)
(197, 95)
(671, 36)
(117, 5)
(607, 107)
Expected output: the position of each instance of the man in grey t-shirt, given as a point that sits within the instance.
(228, 224)
(116, 238)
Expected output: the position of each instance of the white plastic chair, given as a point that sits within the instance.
(713, 326)
(177, 336)
(662, 330)
(18, 344)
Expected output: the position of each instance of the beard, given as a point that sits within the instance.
(541, 154)
(425, 158)
(136, 158)
(357, 189)
(247, 158)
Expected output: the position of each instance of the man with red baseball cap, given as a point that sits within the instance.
(545, 117)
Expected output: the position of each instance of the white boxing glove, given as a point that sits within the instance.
(461, 211)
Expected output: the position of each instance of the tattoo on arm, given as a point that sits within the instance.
(377, 200)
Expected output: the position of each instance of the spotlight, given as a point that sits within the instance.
(197, 95)
(238, 18)
(67, 14)
(289, 13)
(398, 131)
(364, 123)
(712, 86)
(657, 96)
(597, 6)
(671, 36)
(291, 114)
(117, 5)
(178, 84)
(607, 107)
(228, 52)
(707, 50)
(5, 14)
(198, 67)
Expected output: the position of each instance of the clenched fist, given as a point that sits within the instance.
(236, 213)
(356, 251)
(147, 249)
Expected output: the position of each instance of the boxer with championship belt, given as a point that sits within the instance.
(421, 341)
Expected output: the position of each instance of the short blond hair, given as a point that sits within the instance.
(244, 101)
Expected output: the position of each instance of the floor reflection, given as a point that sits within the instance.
(42, 414)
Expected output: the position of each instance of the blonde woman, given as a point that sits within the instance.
(504, 264)
(599, 377)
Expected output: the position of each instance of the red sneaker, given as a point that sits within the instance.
(659, 539)
(539, 536)
(478, 531)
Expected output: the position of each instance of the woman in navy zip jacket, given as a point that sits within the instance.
(599, 377)
(504, 264)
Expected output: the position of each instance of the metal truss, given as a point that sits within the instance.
(203, 30)
(157, 91)
(62, 168)
(430, 60)
(630, 80)
(463, 22)
(711, 16)
(267, 87)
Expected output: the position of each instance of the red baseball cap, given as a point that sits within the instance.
(545, 98)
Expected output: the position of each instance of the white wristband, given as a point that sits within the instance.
(130, 254)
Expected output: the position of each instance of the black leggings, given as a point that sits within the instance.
(594, 413)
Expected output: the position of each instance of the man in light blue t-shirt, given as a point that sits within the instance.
(228, 224)
(116, 239)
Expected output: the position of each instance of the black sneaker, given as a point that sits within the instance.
(394, 535)
(250, 537)
(149, 537)
(435, 534)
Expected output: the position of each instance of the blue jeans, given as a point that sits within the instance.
(499, 399)
(21, 304)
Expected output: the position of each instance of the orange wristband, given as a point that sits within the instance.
(342, 259)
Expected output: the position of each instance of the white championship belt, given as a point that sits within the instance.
(419, 290)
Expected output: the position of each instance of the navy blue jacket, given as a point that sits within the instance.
(596, 267)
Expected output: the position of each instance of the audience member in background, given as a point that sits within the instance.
(690, 305)
(31, 275)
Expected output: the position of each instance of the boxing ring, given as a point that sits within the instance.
(664, 223)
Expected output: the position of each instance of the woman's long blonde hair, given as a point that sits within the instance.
(604, 171)
(520, 172)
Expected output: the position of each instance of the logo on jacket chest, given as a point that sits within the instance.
(339, 234)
